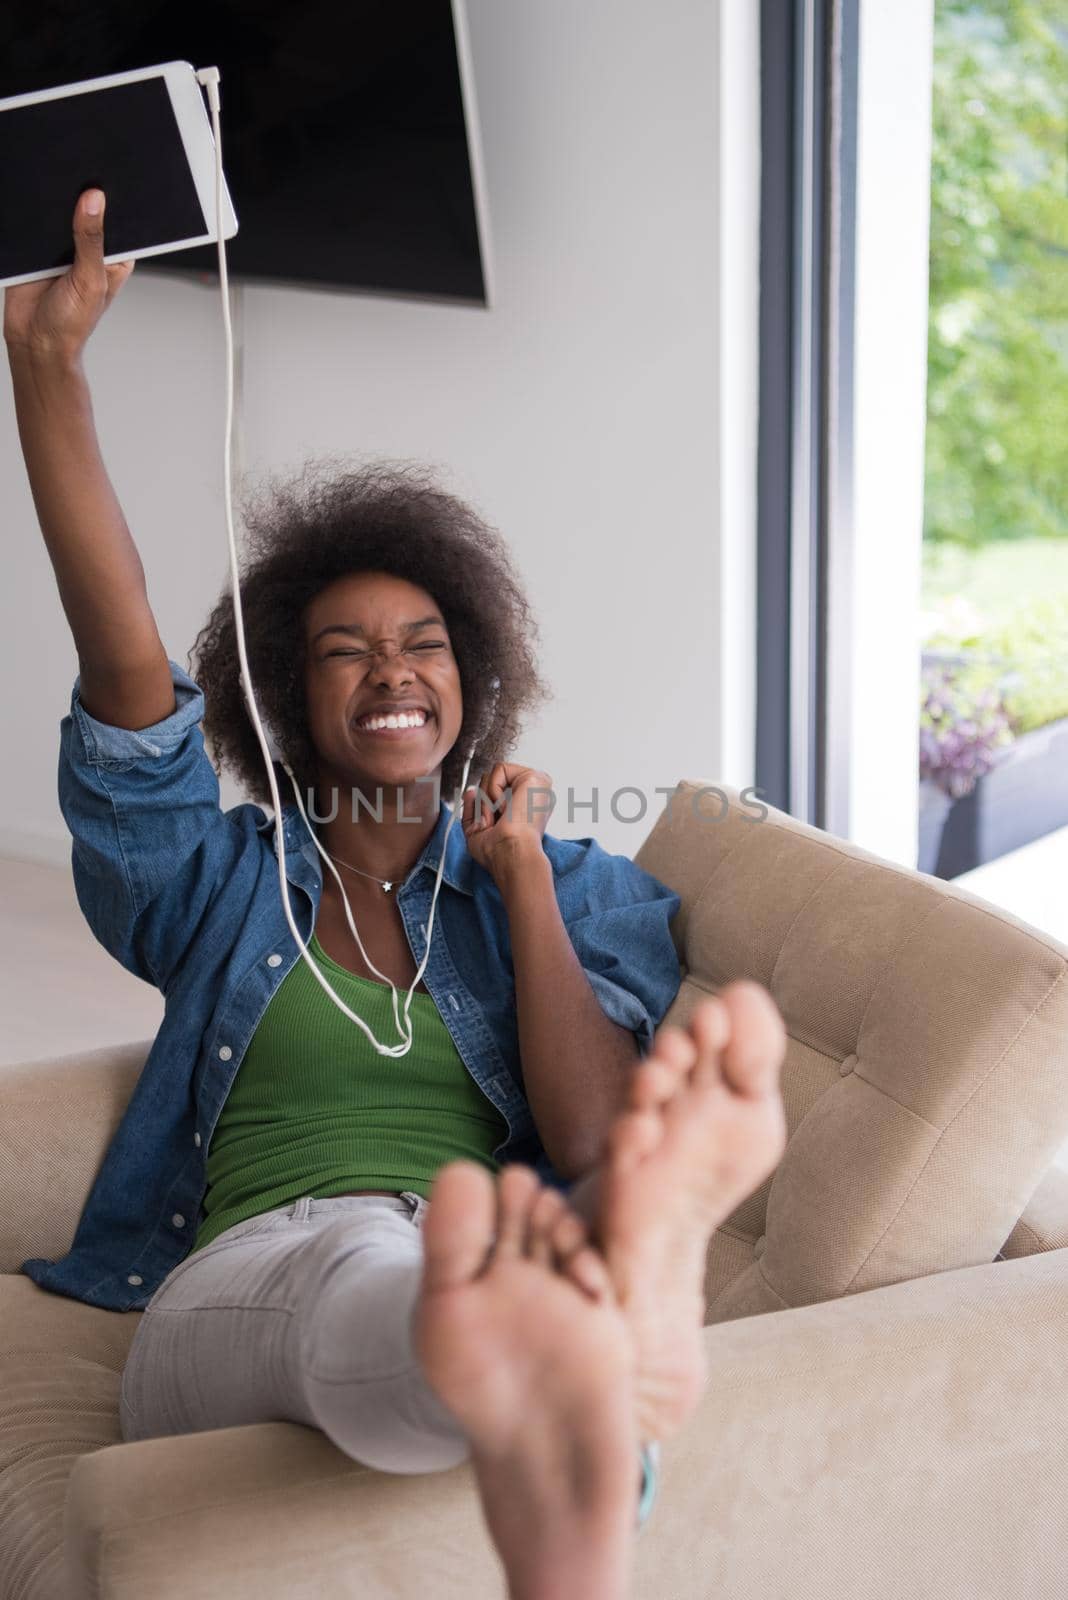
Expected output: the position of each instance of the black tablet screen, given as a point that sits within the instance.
(124, 140)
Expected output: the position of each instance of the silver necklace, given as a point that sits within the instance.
(387, 883)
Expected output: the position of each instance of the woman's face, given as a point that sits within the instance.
(377, 646)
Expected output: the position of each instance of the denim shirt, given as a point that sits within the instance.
(188, 897)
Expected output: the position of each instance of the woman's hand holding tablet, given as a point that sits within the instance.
(55, 316)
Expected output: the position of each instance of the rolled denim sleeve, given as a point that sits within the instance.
(143, 811)
(618, 918)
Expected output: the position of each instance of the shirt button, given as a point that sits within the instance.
(274, 961)
(225, 1053)
(196, 1140)
(178, 1220)
(135, 1278)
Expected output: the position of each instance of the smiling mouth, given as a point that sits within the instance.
(392, 724)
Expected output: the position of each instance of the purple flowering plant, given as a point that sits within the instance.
(965, 726)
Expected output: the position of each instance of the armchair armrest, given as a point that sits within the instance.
(57, 1119)
(859, 1446)
(926, 1070)
(906, 1440)
(269, 1512)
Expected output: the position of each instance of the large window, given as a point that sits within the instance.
(994, 717)
(913, 660)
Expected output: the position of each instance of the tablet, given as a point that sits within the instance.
(143, 137)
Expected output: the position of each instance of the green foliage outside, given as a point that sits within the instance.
(996, 492)
(1018, 646)
(997, 396)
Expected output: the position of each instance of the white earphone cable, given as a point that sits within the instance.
(209, 77)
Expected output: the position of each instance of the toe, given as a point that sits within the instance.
(710, 1025)
(675, 1048)
(586, 1268)
(544, 1215)
(757, 1043)
(547, 1207)
(540, 1247)
(569, 1234)
(632, 1137)
(458, 1227)
(653, 1085)
(517, 1189)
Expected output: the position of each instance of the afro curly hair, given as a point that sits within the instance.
(331, 520)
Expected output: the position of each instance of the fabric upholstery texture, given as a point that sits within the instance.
(886, 1409)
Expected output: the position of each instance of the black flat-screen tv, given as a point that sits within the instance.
(349, 131)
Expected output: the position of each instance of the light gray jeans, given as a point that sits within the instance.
(301, 1314)
(304, 1314)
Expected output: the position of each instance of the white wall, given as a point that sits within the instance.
(602, 414)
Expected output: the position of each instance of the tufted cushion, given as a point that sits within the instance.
(926, 1077)
(1044, 1224)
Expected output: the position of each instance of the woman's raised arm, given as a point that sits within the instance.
(125, 676)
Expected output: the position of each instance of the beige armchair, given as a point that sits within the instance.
(887, 1408)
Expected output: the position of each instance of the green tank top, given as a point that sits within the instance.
(315, 1110)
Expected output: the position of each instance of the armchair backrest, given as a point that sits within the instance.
(926, 1075)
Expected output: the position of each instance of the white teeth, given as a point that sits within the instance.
(402, 719)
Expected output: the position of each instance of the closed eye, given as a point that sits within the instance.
(427, 644)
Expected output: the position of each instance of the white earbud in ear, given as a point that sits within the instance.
(487, 718)
(274, 749)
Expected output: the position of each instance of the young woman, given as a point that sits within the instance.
(309, 1222)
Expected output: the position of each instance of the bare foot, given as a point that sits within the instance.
(705, 1126)
(539, 1372)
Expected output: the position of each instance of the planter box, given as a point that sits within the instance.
(1023, 799)
(934, 809)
